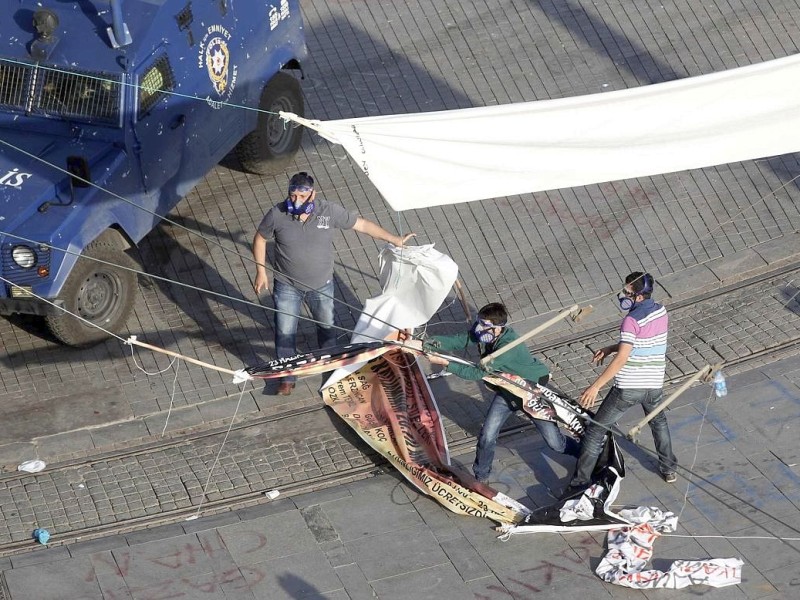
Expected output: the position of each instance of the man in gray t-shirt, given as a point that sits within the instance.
(302, 227)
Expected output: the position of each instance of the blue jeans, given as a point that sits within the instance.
(614, 405)
(288, 301)
(499, 411)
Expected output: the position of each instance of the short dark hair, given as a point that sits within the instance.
(641, 283)
(494, 312)
(302, 178)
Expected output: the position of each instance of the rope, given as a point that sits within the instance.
(219, 452)
(138, 87)
(166, 219)
(170, 281)
(61, 308)
(224, 248)
(507, 534)
(696, 452)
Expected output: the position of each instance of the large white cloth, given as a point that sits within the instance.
(447, 157)
(415, 281)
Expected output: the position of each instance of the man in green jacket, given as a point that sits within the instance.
(491, 333)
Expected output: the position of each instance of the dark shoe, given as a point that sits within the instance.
(285, 388)
(670, 477)
(572, 490)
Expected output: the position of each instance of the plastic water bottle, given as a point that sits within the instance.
(41, 535)
(720, 388)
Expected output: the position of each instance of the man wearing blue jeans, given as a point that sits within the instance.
(491, 333)
(638, 373)
(302, 227)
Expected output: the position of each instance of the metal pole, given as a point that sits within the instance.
(705, 372)
(560, 316)
(134, 342)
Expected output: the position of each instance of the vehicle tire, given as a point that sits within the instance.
(269, 148)
(100, 293)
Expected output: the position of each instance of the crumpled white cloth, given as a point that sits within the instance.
(630, 548)
(240, 376)
(415, 281)
(581, 509)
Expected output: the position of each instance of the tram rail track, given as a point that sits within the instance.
(238, 501)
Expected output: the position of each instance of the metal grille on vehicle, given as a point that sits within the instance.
(83, 96)
(154, 84)
(14, 82)
(13, 272)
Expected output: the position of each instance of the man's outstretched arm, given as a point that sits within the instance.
(379, 233)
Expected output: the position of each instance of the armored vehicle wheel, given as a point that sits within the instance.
(100, 293)
(272, 145)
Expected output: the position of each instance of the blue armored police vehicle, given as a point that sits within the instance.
(110, 112)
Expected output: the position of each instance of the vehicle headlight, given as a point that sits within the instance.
(23, 256)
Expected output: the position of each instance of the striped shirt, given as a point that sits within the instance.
(645, 327)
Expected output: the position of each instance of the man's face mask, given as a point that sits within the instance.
(627, 300)
(303, 208)
(483, 331)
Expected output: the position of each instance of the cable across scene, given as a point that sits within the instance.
(708, 235)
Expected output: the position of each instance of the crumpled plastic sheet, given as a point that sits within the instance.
(630, 548)
(32, 466)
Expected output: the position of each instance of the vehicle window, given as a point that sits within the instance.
(156, 82)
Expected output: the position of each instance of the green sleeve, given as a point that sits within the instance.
(447, 343)
(466, 371)
(519, 361)
(455, 343)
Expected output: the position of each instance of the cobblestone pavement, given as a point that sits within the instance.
(698, 230)
(379, 538)
(536, 252)
(310, 449)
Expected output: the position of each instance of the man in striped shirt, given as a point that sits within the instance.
(638, 373)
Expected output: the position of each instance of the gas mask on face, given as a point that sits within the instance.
(627, 300)
(306, 208)
(483, 331)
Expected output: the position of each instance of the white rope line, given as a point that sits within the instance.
(678, 254)
(166, 280)
(174, 383)
(248, 258)
(145, 88)
(708, 236)
(172, 396)
(773, 538)
(142, 369)
(219, 452)
(696, 452)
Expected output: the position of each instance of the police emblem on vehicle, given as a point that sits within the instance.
(217, 62)
(216, 57)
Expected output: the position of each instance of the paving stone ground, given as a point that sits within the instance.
(695, 230)
(738, 493)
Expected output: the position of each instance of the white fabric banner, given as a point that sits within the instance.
(430, 159)
(415, 281)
